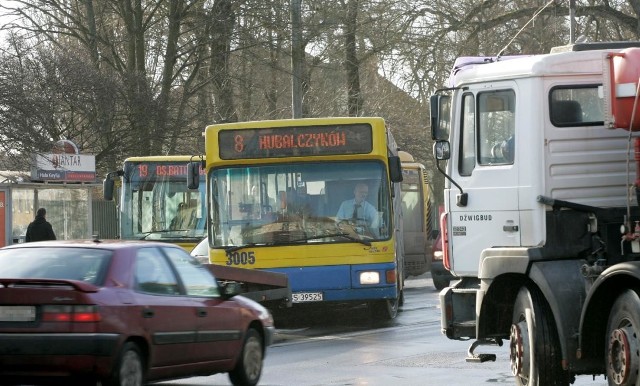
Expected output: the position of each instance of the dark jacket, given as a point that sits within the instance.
(39, 230)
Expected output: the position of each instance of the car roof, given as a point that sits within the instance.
(94, 243)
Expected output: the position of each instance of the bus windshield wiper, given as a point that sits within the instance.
(341, 234)
(144, 235)
(234, 248)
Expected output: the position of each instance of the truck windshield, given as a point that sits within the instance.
(299, 203)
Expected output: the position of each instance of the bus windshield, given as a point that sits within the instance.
(299, 203)
(157, 204)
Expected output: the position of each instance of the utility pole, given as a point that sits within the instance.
(297, 58)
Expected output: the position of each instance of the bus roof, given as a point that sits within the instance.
(405, 157)
(166, 158)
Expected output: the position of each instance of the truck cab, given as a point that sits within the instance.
(539, 204)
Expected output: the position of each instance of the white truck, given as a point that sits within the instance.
(541, 155)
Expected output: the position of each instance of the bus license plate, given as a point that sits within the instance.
(17, 313)
(301, 297)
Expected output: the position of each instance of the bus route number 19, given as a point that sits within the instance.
(241, 258)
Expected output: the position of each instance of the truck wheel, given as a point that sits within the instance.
(534, 349)
(249, 367)
(622, 356)
(440, 282)
(129, 369)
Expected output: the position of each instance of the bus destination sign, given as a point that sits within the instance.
(153, 170)
(295, 141)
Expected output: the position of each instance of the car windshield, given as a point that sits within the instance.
(84, 264)
(299, 203)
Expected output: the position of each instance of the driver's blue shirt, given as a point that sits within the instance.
(366, 212)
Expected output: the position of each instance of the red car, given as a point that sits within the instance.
(122, 313)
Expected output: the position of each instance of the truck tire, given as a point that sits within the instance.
(249, 366)
(534, 349)
(440, 282)
(622, 347)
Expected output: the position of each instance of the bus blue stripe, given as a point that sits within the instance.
(340, 282)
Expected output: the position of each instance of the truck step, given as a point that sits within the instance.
(479, 358)
(465, 323)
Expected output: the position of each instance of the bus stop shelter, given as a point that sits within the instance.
(68, 205)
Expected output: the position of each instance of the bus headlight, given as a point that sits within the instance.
(369, 277)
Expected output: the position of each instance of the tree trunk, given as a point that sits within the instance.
(354, 96)
(224, 19)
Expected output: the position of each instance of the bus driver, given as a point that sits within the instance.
(358, 210)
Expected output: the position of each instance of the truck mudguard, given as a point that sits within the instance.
(606, 288)
(563, 287)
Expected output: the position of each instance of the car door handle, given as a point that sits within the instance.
(510, 228)
(201, 312)
(147, 313)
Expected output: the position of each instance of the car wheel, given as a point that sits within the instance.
(534, 348)
(440, 282)
(623, 351)
(129, 369)
(249, 367)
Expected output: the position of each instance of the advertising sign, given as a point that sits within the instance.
(64, 167)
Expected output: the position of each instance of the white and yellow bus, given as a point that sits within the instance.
(155, 203)
(418, 215)
(275, 189)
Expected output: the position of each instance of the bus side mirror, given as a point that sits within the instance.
(107, 188)
(395, 169)
(193, 175)
(109, 184)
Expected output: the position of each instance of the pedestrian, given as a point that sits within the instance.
(40, 229)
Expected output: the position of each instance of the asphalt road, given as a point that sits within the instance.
(344, 347)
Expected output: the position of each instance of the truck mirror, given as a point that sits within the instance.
(107, 187)
(395, 169)
(439, 106)
(441, 150)
(193, 175)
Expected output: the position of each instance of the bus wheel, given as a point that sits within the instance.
(623, 329)
(534, 349)
(384, 309)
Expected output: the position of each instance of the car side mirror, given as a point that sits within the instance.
(231, 289)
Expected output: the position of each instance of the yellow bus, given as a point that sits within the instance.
(418, 216)
(286, 196)
(155, 203)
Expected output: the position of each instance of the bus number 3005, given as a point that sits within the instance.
(241, 258)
